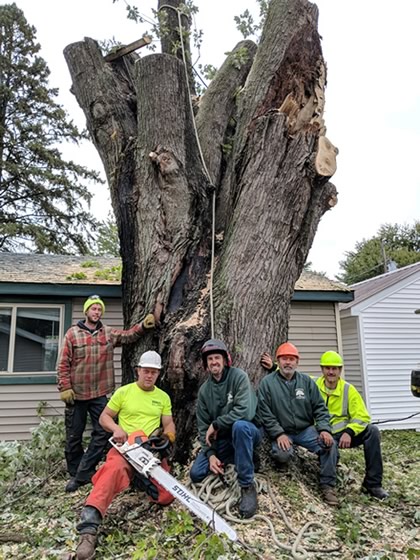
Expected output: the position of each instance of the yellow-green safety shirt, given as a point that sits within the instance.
(138, 409)
(346, 406)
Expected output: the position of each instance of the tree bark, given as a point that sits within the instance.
(262, 136)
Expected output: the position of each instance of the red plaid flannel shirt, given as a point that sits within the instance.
(86, 360)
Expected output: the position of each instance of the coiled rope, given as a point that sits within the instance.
(224, 493)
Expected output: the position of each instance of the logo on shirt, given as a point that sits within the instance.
(300, 393)
(155, 403)
(229, 398)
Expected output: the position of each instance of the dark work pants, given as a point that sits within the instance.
(82, 464)
(370, 438)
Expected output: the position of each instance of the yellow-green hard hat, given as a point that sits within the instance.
(91, 300)
(331, 358)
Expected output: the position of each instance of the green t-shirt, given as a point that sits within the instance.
(138, 409)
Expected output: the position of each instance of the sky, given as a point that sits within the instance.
(372, 108)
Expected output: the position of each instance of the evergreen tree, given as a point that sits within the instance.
(393, 245)
(107, 241)
(43, 197)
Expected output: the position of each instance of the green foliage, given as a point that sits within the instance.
(397, 243)
(20, 459)
(239, 57)
(76, 276)
(107, 239)
(208, 71)
(112, 273)
(246, 24)
(42, 196)
(178, 538)
(90, 264)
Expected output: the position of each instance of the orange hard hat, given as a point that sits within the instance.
(287, 349)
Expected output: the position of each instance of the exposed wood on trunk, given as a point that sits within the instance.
(325, 161)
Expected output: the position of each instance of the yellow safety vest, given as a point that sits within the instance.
(346, 406)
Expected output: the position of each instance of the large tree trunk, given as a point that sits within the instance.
(268, 162)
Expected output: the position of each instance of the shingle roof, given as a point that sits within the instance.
(367, 288)
(64, 269)
(310, 281)
(58, 269)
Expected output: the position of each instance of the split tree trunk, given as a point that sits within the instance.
(262, 136)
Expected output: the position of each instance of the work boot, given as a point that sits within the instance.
(248, 504)
(378, 492)
(86, 548)
(329, 495)
(73, 484)
(90, 519)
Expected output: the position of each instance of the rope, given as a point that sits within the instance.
(203, 163)
(224, 493)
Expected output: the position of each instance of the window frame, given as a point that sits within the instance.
(10, 376)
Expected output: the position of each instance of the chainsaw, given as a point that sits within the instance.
(141, 458)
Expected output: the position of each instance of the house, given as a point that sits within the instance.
(381, 344)
(41, 296)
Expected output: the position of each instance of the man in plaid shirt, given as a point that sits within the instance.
(85, 372)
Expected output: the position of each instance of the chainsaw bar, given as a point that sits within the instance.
(147, 464)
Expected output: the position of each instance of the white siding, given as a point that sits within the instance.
(391, 338)
(351, 353)
(312, 328)
(19, 403)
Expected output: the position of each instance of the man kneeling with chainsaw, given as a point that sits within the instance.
(142, 408)
(226, 406)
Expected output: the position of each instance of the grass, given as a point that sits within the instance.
(38, 519)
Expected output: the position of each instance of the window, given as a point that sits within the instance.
(29, 337)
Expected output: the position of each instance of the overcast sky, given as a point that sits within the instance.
(372, 99)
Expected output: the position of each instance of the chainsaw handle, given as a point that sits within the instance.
(156, 443)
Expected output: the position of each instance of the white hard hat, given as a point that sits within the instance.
(150, 359)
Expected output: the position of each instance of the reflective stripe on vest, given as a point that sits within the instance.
(345, 409)
(345, 412)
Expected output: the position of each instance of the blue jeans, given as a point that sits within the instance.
(81, 464)
(309, 439)
(237, 449)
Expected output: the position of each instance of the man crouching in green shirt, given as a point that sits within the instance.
(292, 411)
(226, 407)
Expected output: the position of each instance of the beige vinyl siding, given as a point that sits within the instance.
(19, 403)
(351, 353)
(18, 409)
(312, 328)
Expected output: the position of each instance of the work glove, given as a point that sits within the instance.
(67, 396)
(149, 321)
(170, 436)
